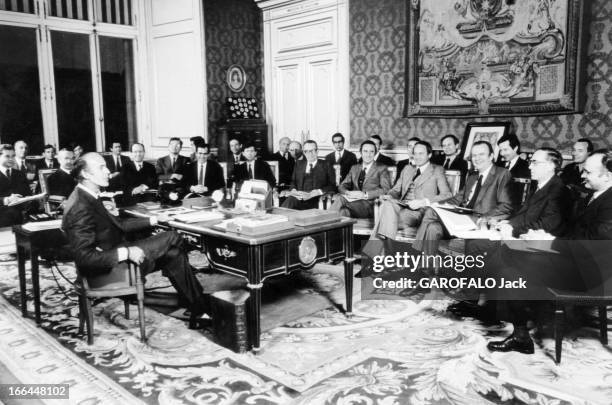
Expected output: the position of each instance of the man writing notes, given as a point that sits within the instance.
(364, 183)
(98, 239)
(340, 157)
(311, 178)
(486, 193)
(205, 176)
(253, 169)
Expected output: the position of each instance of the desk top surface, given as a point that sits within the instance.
(206, 228)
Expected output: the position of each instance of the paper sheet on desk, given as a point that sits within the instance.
(199, 216)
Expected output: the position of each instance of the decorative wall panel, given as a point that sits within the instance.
(377, 42)
(233, 36)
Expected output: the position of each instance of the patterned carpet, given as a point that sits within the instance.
(390, 352)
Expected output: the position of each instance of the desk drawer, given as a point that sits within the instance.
(192, 238)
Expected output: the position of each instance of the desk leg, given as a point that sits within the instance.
(35, 284)
(254, 314)
(348, 284)
(21, 258)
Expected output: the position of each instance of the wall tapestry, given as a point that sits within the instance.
(494, 57)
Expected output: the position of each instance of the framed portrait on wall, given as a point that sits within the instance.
(495, 57)
(236, 78)
(483, 131)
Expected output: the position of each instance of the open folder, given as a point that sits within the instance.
(455, 223)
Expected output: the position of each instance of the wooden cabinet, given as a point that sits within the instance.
(244, 130)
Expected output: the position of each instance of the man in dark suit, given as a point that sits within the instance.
(115, 163)
(380, 158)
(343, 158)
(138, 177)
(13, 185)
(206, 175)
(486, 192)
(285, 163)
(98, 239)
(509, 150)
(234, 160)
(29, 169)
(48, 161)
(572, 172)
(364, 183)
(173, 166)
(578, 261)
(253, 169)
(450, 158)
(311, 178)
(61, 183)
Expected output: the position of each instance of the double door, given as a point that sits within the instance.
(305, 102)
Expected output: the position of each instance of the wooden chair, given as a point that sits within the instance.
(52, 202)
(524, 186)
(453, 177)
(274, 166)
(566, 298)
(123, 281)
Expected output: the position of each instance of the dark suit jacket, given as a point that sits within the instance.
(61, 183)
(285, 168)
(262, 172)
(375, 183)
(163, 167)
(110, 162)
(28, 168)
(17, 184)
(385, 160)
(347, 160)
(494, 199)
(594, 220)
(547, 209)
(213, 178)
(42, 164)
(322, 177)
(458, 163)
(94, 235)
(571, 174)
(231, 168)
(133, 178)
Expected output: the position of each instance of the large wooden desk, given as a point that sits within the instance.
(261, 257)
(29, 246)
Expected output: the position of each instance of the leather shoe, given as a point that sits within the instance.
(512, 343)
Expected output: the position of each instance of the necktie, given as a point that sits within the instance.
(507, 165)
(447, 164)
(417, 174)
(8, 173)
(118, 163)
(310, 167)
(138, 167)
(201, 175)
(50, 164)
(173, 164)
(338, 157)
(236, 158)
(361, 179)
(285, 155)
(472, 201)
(251, 171)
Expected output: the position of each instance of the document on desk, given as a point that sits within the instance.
(199, 216)
(42, 225)
(454, 223)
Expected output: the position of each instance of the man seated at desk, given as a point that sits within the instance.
(253, 169)
(98, 239)
(172, 167)
(13, 186)
(138, 176)
(206, 175)
(364, 183)
(285, 163)
(61, 183)
(311, 178)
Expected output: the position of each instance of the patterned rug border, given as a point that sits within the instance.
(96, 381)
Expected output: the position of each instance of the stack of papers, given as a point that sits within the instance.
(199, 216)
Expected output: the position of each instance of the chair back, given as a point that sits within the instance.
(453, 177)
(43, 176)
(524, 187)
(392, 173)
(274, 166)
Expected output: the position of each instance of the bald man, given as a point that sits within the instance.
(98, 239)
